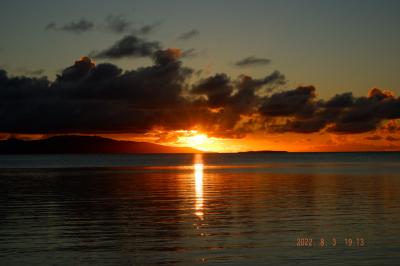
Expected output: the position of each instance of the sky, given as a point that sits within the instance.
(238, 75)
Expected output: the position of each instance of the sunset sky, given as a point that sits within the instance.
(220, 76)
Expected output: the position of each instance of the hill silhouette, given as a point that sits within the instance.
(85, 144)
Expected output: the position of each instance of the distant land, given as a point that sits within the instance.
(85, 144)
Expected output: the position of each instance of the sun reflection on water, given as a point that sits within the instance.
(198, 179)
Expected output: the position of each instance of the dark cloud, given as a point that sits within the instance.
(221, 91)
(189, 35)
(85, 96)
(298, 102)
(117, 24)
(231, 100)
(217, 89)
(378, 94)
(129, 46)
(76, 72)
(340, 101)
(80, 26)
(149, 28)
(252, 61)
(367, 113)
(21, 87)
(165, 57)
(271, 81)
(343, 113)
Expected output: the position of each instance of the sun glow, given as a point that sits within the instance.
(197, 140)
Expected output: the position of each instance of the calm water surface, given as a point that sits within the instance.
(211, 209)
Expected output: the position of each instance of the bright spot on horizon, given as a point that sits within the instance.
(199, 141)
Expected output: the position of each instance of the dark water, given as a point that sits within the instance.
(214, 209)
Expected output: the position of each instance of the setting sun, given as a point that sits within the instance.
(197, 140)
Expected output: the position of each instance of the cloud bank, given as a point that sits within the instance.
(189, 35)
(89, 98)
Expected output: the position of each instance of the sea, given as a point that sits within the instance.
(200, 209)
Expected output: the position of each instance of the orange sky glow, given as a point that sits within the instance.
(380, 140)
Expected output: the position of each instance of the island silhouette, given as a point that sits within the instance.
(85, 144)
